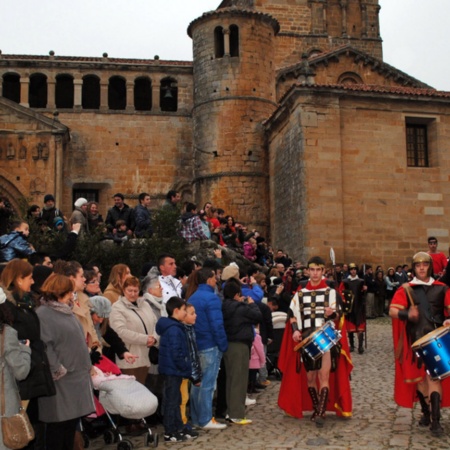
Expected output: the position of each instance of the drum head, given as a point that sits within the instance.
(430, 336)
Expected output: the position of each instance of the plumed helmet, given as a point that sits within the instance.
(423, 257)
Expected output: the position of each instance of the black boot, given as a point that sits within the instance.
(360, 343)
(425, 420)
(351, 338)
(320, 419)
(435, 401)
(315, 401)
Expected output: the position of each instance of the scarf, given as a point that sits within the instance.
(57, 306)
(157, 302)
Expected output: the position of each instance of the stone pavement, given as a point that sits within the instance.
(377, 422)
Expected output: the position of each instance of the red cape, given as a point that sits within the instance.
(407, 375)
(294, 397)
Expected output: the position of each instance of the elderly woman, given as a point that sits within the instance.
(69, 364)
(119, 273)
(134, 321)
(112, 344)
(153, 293)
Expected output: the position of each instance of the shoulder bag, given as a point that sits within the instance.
(17, 430)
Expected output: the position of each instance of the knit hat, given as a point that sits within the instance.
(100, 306)
(80, 202)
(49, 197)
(2, 296)
(58, 221)
(231, 271)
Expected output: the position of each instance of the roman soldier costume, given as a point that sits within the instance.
(352, 291)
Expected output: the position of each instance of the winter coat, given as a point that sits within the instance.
(66, 348)
(112, 294)
(115, 214)
(48, 214)
(209, 328)
(239, 319)
(192, 228)
(39, 381)
(196, 375)
(174, 357)
(142, 221)
(79, 216)
(17, 359)
(115, 347)
(82, 311)
(134, 324)
(14, 245)
(266, 324)
(257, 355)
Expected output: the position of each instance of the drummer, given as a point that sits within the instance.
(310, 308)
(419, 307)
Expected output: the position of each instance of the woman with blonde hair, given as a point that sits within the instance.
(70, 364)
(119, 273)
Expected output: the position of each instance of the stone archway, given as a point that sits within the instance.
(14, 194)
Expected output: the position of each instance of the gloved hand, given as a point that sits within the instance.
(95, 355)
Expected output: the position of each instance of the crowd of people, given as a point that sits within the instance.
(196, 333)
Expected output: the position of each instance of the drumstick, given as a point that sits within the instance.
(407, 289)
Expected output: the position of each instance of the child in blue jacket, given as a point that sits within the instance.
(174, 364)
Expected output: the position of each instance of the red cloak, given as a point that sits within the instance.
(294, 398)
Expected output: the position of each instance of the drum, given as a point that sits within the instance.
(434, 350)
(321, 340)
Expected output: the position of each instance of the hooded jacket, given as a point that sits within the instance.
(174, 356)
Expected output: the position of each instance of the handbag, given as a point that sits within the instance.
(17, 430)
(153, 354)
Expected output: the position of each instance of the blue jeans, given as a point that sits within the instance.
(202, 396)
(171, 404)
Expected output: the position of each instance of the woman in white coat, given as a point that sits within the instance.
(133, 320)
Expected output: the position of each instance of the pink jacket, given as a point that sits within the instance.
(258, 357)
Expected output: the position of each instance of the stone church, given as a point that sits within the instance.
(287, 118)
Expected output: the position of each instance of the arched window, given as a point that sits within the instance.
(168, 95)
(350, 78)
(117, 93)
(64, 91)
(11, 87)
(234, 40)
(37, 93)
(219, 45)
(90, 93)
(142, 94)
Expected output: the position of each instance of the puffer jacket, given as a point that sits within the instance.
(239, 318)
(14, 245)
(174, 356)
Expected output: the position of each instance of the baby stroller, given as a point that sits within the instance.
(273, 349)
(123, 395)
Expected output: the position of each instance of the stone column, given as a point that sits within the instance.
(104, 95)
(57, 148)
(130, 95)
(343, 4)
(156, 107)
(51, 84)
(24, 91)
(77, 94)
(226, 42)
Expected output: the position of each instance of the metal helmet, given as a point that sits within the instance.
(352, 266)
(423, 257)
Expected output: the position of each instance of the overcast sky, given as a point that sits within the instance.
(415, 32)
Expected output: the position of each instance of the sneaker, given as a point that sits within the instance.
(175, 437)
(214, 425)
(265, 383)
(243, 421)
(189, 433)
(249, 401)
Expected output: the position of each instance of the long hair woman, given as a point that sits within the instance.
(119, 273)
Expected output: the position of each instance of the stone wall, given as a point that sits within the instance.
(354, 190)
